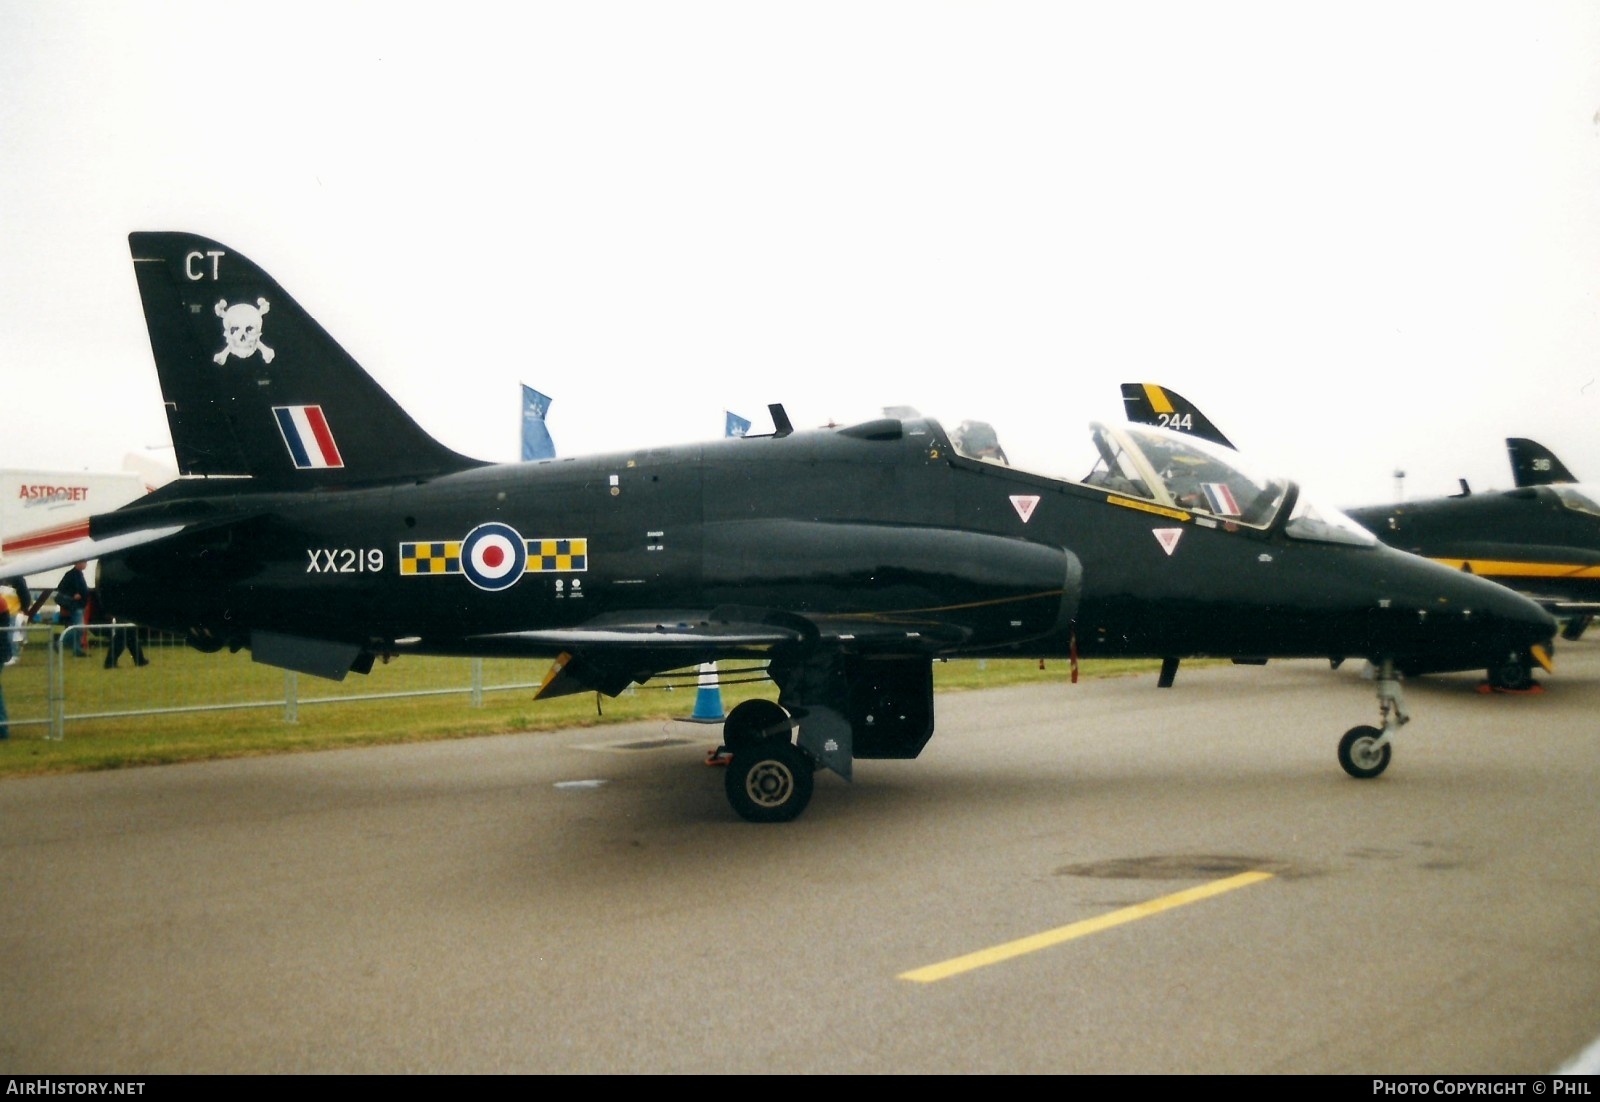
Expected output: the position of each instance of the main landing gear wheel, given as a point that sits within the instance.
(1360, 753)
(1514, 674)
(769, 782)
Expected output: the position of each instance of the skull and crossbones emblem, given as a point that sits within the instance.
(241, 328)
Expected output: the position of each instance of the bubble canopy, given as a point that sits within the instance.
(1177, 471)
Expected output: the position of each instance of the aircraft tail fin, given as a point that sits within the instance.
(254, 387)
(1533, 464)
(1149, 404)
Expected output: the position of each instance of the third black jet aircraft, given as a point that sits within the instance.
(1541, 538)
(319, 526)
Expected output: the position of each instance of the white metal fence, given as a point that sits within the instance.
(47, 688)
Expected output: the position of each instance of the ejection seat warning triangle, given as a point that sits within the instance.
(1167, 537)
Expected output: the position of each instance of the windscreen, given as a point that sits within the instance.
(1580, 499)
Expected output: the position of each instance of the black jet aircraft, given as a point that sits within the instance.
(319, 526)
(1541, 539)
(1533, 464)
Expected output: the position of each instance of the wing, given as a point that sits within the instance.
(609, 654)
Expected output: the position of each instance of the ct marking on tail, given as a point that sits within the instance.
(308, 437)
(195, 274)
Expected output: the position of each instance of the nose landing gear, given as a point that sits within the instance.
(1364, 752)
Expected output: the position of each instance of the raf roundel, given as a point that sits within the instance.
(493, 556)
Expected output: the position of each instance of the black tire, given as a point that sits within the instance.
(753, 722)
(769, 782)
(1514, 674)
(1357, 756)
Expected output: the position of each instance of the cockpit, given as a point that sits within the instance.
(1171, 470)
(1180, 472)
(978, 440)
(1578, 498)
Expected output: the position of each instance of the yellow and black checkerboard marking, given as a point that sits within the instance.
(431, 558)
(558, 556)
(565, 556)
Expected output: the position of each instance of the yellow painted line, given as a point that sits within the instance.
(1522, 569)
(985, 957)
(1147, 507)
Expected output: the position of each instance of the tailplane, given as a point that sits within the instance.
(255, 388)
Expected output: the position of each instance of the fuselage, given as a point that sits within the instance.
(881, 527)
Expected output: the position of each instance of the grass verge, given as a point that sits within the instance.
(226, 706)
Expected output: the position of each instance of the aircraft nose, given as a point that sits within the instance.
(1513, 627)
(1520, 615)
(1458, 621)
(1526, 621)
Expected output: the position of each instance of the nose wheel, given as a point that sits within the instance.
(1364, 752)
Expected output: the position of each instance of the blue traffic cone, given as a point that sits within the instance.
(708, 700)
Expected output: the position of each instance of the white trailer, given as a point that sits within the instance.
(40, 510)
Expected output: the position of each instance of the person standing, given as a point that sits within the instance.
(123, 636)
(72, 598)
(14, 590)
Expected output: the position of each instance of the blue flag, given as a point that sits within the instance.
(737, 426)
(536, 442)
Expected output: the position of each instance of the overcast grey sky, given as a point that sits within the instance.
(1361, 236)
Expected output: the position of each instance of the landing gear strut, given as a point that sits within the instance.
(832, 708)
(1364, 751)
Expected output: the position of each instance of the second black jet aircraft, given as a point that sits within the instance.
(1541, 539)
